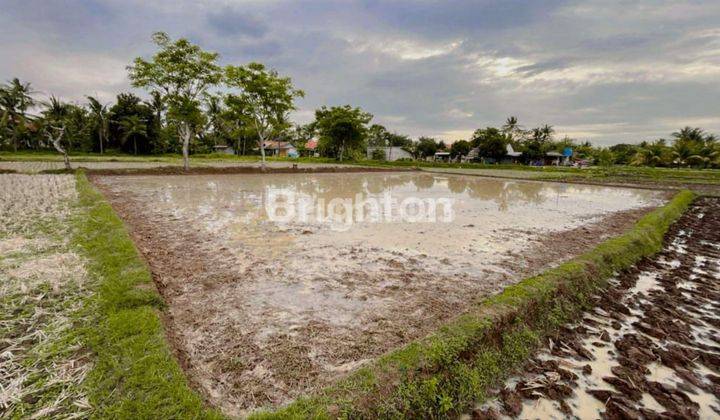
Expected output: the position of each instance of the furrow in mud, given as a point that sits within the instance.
(650, 348)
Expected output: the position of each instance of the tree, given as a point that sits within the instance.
(623, 153)
(157, 106)
(708, 153)
(682, 150)
(427, 146)
(399, 140)
(15, 99)
(651, 154)
(694, 135)
(183, 72)
(129, 105)
(265, 96)
(491, 142)
(341, 128)
(99, 114)
(604, 157)
(513, 128)
(377, 136)
(240, 121)
(56, 113)
(133, 127)
(459, 148)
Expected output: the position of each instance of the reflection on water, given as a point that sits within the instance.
(491, 216)
(246, 194)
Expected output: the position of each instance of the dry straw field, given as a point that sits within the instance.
(42, 361)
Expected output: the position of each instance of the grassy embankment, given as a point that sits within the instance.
(135, 374)
(443, 374)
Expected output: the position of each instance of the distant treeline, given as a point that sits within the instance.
(194, 105)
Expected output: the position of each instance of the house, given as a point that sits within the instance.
(511, 156)
(224, 149)
(472, 156)
(280, 149)
(553, 158)
(391, 153)
(442, 157)
(311, 148)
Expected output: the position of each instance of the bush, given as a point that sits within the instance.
(378, 154)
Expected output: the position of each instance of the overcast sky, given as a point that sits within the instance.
(600, 70)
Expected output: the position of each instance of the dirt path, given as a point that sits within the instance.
(650, 348)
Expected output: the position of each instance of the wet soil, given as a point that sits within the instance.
(650, 348)
(254, 331)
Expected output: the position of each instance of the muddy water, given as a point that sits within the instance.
(266, 310)
(490, 217)
(651, 349)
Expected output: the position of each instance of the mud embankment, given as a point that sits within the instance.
(650, 348)
(212, 170)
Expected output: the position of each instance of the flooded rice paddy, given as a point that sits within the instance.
(650, 349)
(263, 310)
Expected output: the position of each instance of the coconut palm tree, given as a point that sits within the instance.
(15, 99)
(157, 105)
(682, 151)
(547, 132)
(99, 113)
(690, 134)
(513, 128)
(708, 153)
(651, 154)
(132, 127)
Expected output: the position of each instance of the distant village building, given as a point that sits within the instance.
(311, 148)
(511, 155)
(391, 153)
(280, 149)
(473, 155)
(224, 148)
(442, 157)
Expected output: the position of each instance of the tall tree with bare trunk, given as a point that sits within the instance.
(56, 113)
(183, 72)
(266, 96)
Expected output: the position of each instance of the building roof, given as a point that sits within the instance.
(311, 144)
(273, 144)
(511, 152)
(554, 154)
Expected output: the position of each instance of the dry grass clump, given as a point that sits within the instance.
(43, 295)
(29, 201)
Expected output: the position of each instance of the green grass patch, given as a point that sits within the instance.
(445, 373)
(135, 374)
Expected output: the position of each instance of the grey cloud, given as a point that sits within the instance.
(228, 21)
(609, 70)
